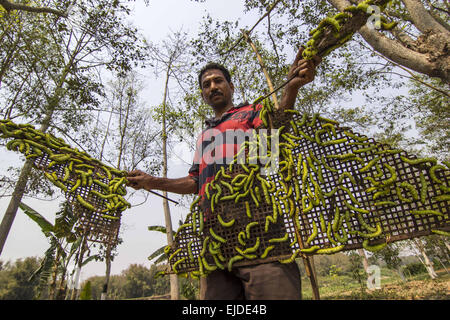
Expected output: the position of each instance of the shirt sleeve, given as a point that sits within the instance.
(255, 120)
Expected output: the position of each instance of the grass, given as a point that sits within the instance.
(419, 287)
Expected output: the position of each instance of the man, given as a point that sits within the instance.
(274, 281)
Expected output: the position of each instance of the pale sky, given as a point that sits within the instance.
(156, 21)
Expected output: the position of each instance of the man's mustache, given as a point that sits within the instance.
(215, 93)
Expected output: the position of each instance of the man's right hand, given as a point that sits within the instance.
(140, 180)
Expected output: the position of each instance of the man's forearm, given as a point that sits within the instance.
(288, 98)
(185, 185)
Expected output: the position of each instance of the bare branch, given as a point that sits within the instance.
(17, 6)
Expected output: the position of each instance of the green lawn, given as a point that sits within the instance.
(419, 287)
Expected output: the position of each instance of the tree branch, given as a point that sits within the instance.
(422, 18)
(17, 6)
(395, 51)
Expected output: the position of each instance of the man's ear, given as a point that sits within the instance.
(232, 86)
(201, 94)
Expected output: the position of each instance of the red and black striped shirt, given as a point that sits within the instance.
(220, 141)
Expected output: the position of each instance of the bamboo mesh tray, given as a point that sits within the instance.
(334, 190)
(94, 190)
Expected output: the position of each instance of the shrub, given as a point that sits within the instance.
(415, 268)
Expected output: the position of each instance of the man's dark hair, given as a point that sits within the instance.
(211, 66)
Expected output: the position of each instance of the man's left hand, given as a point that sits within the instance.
(302, 71)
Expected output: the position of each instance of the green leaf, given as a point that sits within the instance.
(157, 253)
(158, 228)
(85, 262)
(45, 225)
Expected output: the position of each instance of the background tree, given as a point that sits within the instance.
(14, 279)
(65, 66)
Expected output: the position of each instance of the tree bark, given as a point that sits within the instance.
(174, 285)
(428, 264)
(365, 261)
(429, 55)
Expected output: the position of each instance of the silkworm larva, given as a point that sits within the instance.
(241, 237)
(215, 236)
(400, 196)
(314, 233)
(217, 262)
(344, 237)
(433, 173)
(225, 224)
(174, 254)
(247, 228)
(229, 197)
(336, 219)
(331, 250)
(364, 224)
(443, 197)
(175, 265)
(247, 209)
(360, 210)
(266, 251)
(84, 203)
(370, 164)
(291, 259)
(338, 141)
(269, 219)
(345, 156)
(191, 255)
(242, 195)
(109, 217)
(254, 248)
(374, 248)
(433, 212)
(393, 177)
(207, 266)
(323, 161)
(423, 188)
(372, 235)
(276, 240)
(305, 208)
(385, 203)
(348, 175)
(350, 194)
(419, 161)
(310, 250)
(226, 184)
(441, 232)
(205, 241)
(233, 260)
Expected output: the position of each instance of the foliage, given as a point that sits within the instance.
(14, 279)
(64, 243)
(415, 268)
(86, 292)
(134, 282)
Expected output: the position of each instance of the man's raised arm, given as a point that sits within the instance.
(140, 180)
(301, 72)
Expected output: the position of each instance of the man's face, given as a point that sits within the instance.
(216, 90)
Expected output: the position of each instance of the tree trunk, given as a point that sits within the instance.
(426, 261)
(364, 261)
(174, 286)
(21, 184)
(104, 295)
